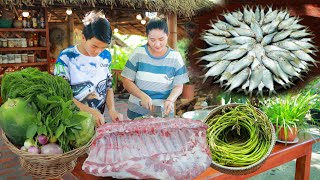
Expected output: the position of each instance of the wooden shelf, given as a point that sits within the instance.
(23, 49)
(24, 64)
(21, 30)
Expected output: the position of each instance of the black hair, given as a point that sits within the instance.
(96, 25)
(157, 23)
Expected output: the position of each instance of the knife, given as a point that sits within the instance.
(157, 109)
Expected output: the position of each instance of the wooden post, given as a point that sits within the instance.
(70, 29)
(172, 24)
(46, 21)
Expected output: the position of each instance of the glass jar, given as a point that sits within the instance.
(43, 41)
(4, 42)
(30, 41)
(11, 58)
(24, 42)
(24, 58)
(4, 59)
(31, 58)
(17, 42)
(17, 58)
(35, 39)
(11, 42)
(1, 42)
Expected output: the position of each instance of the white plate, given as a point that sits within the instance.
(196, 115)
(289, 142)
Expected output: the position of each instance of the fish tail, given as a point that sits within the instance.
(315, 63)
(245, 92)
(225, 86)
(204, 67)
(300, 77)
(204, 78)
(218, 81)
(210, 23)
(291, 83)
(240, 89)
(272, 92)
(285, 86)
(315, 49)
(198, 50)
(197, 62)
(288, 85)
(222, 84)
(259, 93)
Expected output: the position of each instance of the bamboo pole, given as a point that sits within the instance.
(172, 24)
(70, 29)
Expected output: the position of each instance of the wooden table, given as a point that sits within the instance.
(281, 154)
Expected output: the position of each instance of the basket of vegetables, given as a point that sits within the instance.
(46, 161)
(41, 124)
(240, 138)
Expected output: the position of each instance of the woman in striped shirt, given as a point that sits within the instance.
(154, 74)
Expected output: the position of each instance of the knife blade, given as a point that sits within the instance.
(157, 108)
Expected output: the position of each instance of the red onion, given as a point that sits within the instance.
(43, 140)
(51, 148)
(34, 150)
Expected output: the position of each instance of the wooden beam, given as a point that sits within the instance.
(108, 8)
(131, 29)
(127, 20)
(136, 29)
(15, 11)
(70, 29)
(56, 15)
(172, 25)
(77, 17)
(79, 14)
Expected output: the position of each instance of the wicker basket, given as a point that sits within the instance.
(46, 166)
(247, 169)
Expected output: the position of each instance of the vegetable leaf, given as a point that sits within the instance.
(60, 130)
(31, 131)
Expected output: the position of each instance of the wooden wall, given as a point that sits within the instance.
(304, 9)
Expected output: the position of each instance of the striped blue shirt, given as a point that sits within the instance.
(155, 76)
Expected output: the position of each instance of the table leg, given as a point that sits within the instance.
(303, 165)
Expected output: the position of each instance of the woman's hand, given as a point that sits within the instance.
(115, 116)
(168, 107)
(146, 102)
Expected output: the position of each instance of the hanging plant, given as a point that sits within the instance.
(255, 50)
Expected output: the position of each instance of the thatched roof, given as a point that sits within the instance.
(121, 13)
(185, 8)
